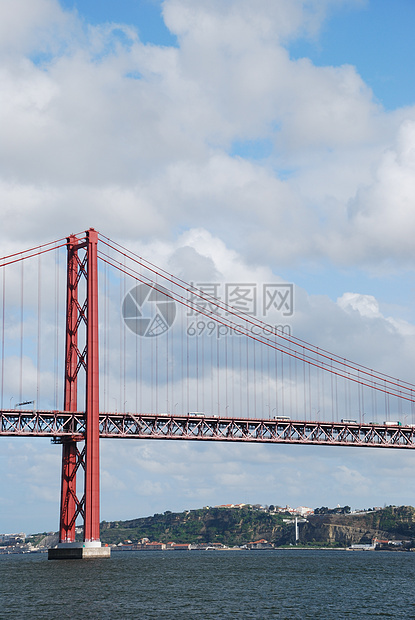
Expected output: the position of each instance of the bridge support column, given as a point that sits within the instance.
(91, 520)
(85, 315)
(68, 511)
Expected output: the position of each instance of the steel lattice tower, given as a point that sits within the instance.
(81, 325)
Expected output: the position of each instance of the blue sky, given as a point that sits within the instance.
(377, 39)
(269, 141)
(144, 15)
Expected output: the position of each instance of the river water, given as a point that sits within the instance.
(189, 585)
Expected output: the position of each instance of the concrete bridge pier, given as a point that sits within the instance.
(79, 551)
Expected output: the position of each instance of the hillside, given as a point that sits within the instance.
(240, 526)
(224, 525)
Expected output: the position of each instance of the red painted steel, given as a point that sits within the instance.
(69, 451)
(81, 427)
(68, 492)
(91, 531)
(62, 424)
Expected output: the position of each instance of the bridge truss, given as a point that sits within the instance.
(63, 426)
(192, 367)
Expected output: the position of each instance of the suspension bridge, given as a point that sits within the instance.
(138, 353)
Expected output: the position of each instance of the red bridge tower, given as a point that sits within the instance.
(82, 354)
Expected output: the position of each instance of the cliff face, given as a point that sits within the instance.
(240, 526)
(335, 534)
(391, 523)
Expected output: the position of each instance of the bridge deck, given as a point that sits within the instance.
(61, 426)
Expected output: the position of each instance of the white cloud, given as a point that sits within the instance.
(269, 20)
(28, 25)
(366, 305)
(382, 212)
(139, 137)
(352, 480)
